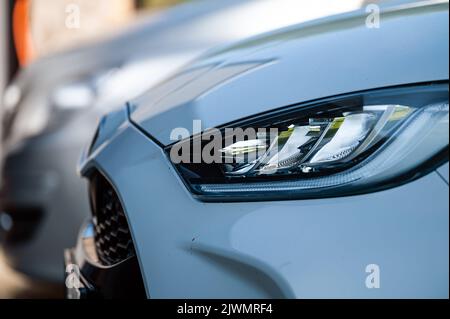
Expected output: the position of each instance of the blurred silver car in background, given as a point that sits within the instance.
(53, 106)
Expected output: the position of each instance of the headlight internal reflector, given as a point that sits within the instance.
(346, 145)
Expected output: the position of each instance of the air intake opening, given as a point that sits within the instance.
(113, 240)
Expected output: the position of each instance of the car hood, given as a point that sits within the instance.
(322, 58)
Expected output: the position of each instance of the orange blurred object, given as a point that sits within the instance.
(21, 32)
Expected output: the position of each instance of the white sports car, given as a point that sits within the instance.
(309, 162)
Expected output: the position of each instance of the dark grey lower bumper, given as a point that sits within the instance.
(87, 278)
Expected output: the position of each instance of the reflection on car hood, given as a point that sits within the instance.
(317, 59)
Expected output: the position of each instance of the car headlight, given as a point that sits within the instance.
(30, 118)
(346, 145)
(37, 112)
(43, 107)
(73, 96)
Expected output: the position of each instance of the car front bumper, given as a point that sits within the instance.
(321, 248)
(87, 278)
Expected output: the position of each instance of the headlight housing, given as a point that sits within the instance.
(345, 145)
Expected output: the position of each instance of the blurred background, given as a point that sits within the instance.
(32, 29)
(64, 62)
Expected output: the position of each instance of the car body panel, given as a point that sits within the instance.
(296, 249)
(356, 58)
(443, 172)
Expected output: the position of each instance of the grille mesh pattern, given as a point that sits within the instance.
(112, 235)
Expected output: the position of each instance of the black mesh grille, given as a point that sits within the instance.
(112, 235)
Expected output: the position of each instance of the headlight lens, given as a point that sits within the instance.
(348, 145)
(314, 145)
(31, 118)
